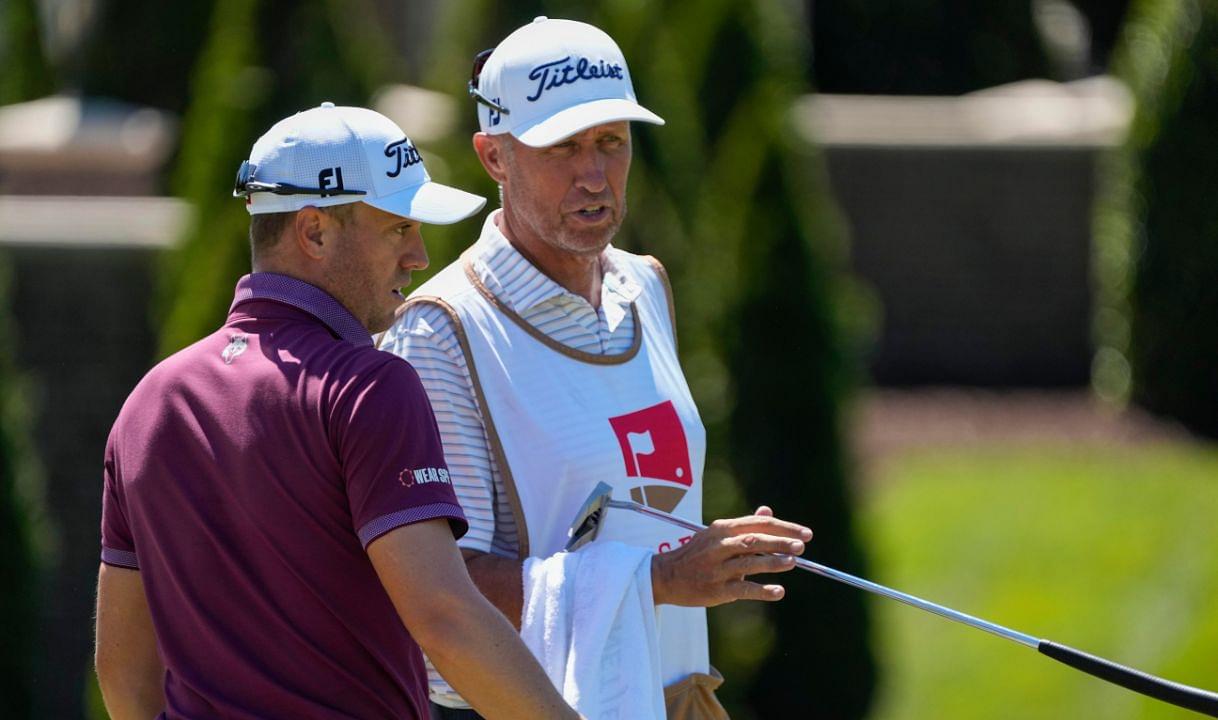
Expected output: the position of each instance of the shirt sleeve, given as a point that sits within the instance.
(117, 547)
(425, 336)
(392, 459)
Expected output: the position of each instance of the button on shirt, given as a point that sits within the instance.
(244, 479)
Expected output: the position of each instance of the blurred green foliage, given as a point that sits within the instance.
(22, 531)
(261, 62)
(1157, 223)
(24, 75)
(143, 53)
(725, 195)
(924, 47)
(24, 71)
(1112, 550)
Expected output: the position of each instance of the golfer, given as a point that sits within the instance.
(278, 521)
(550, 357)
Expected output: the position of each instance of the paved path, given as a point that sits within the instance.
(887, 422)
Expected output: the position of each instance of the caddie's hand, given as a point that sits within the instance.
(711, 568)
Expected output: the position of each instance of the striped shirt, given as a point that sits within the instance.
(424, 335)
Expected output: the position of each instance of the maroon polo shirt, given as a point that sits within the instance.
(244, 479)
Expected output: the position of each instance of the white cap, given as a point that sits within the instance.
(358, 153)
(556, 78)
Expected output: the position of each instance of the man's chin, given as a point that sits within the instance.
(383, 322)
(586, 242)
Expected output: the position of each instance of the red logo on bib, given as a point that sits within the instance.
(654, 447)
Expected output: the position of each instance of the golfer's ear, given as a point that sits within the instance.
(309, 232)
(490, 154)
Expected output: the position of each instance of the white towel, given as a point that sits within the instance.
(589, 618)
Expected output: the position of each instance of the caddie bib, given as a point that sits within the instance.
(559, 421)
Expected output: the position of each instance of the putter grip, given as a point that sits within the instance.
(1202, 701)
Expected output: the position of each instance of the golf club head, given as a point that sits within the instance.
(588, 520)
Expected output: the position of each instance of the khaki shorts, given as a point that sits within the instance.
(694, 698)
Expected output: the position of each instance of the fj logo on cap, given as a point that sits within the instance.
(556, 74)
(330, 181)
(404, 154)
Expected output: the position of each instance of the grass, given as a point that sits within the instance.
(1112, 551)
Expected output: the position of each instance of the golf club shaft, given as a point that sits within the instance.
(1196, 699)
(855, 581)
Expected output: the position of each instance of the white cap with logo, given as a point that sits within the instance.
(335, 155)
(553, 78)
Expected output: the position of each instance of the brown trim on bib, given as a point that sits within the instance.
(548, 341)
(672, 305)
(492, 435)
(694, 698)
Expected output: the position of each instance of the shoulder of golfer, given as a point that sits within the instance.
(426, 337)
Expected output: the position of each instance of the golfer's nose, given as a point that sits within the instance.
(415, 257)
(590, 174)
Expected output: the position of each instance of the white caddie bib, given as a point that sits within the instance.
(560, 421)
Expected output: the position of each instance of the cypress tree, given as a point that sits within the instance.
(1157, 224)
(916, 47)
(20, 527)
(737, 207)
(1175, 289)
(25, 73)
(143, 53)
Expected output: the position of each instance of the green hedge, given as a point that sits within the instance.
(143, 53)
(739, 209)
(24, 75)
(1157, 224)
(24, 71)
(20, 522)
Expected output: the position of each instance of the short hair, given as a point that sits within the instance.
(267, 228)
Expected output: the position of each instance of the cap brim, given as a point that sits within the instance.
(566, 123)
(430, 202)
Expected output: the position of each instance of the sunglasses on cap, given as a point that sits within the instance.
(246, 185)
(479, 63)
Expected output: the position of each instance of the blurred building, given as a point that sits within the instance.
(68, 145)
(82, 235)
(970, 218)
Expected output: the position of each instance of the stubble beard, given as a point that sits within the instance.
(587, 242)
(556, 234)
(351, 279)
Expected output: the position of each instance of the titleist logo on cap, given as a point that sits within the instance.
(404, 154)
(556, 74)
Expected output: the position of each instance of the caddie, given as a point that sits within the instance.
(550, 357)
(278, 524)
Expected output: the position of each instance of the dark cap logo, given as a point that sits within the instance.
(565, 72)
(330, 181)
(404, 154)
